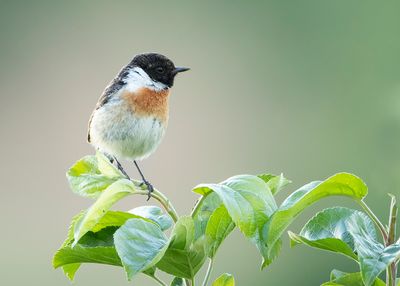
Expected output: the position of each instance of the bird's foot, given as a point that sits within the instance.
(149, 187)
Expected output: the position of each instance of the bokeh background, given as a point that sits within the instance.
(307, 88)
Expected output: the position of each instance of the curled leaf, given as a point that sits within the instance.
(342, 184)
(91, 175)
(373, 256)
(250, 204)
(327, 230)
(275, 183)
(108, 197)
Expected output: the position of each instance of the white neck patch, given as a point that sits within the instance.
(138, 78)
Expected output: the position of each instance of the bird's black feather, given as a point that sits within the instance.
(114, 86)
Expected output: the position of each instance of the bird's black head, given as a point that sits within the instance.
(158, 67)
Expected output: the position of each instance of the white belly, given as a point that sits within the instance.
(116, 131)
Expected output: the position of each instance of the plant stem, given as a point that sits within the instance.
(389, 278)
(209, 269)
(166, 203)
(392, 221)
(375, 219)
(391, 271)
(161, 198)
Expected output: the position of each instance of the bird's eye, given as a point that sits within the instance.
(160, 70)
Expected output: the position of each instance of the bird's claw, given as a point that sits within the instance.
(149, 187)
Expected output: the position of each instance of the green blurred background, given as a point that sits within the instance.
(307, 88)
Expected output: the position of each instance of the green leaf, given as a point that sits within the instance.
(140, 244)
(70, 234)
(250, 204)
(108, 197)
(275, 183)
(342, 184)
(327, 230)
(183, 234)
(339, 278)
(107, 168)
(70, 270)
(335, 274)
(208, 213)
(184, 256)
(177, 281)
(150, 271)
(155, 214)
(348, 232)
(225, 279)
(93, 248)
(184, 263)
(204, 208)
(113, 218)
(218, 228)
(373, 256)
(83, 254)
(91, 175)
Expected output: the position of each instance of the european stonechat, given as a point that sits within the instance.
(131, 115)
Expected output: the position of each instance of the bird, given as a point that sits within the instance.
(131, 115)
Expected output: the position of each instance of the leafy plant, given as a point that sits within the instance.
(137, 240)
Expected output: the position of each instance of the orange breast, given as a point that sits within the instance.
(147, 102)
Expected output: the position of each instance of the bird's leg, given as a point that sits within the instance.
(120, 168)
(109, 157)
(147, 183)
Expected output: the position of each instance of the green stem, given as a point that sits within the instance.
(193, 282)
(391, 271)
(392, 220)
(389, 277)
(161, 198)
(375, 220)
(166, 203)
(209, 269)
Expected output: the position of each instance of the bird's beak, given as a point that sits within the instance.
(180, 69)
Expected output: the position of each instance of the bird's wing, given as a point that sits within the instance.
(113, 87)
